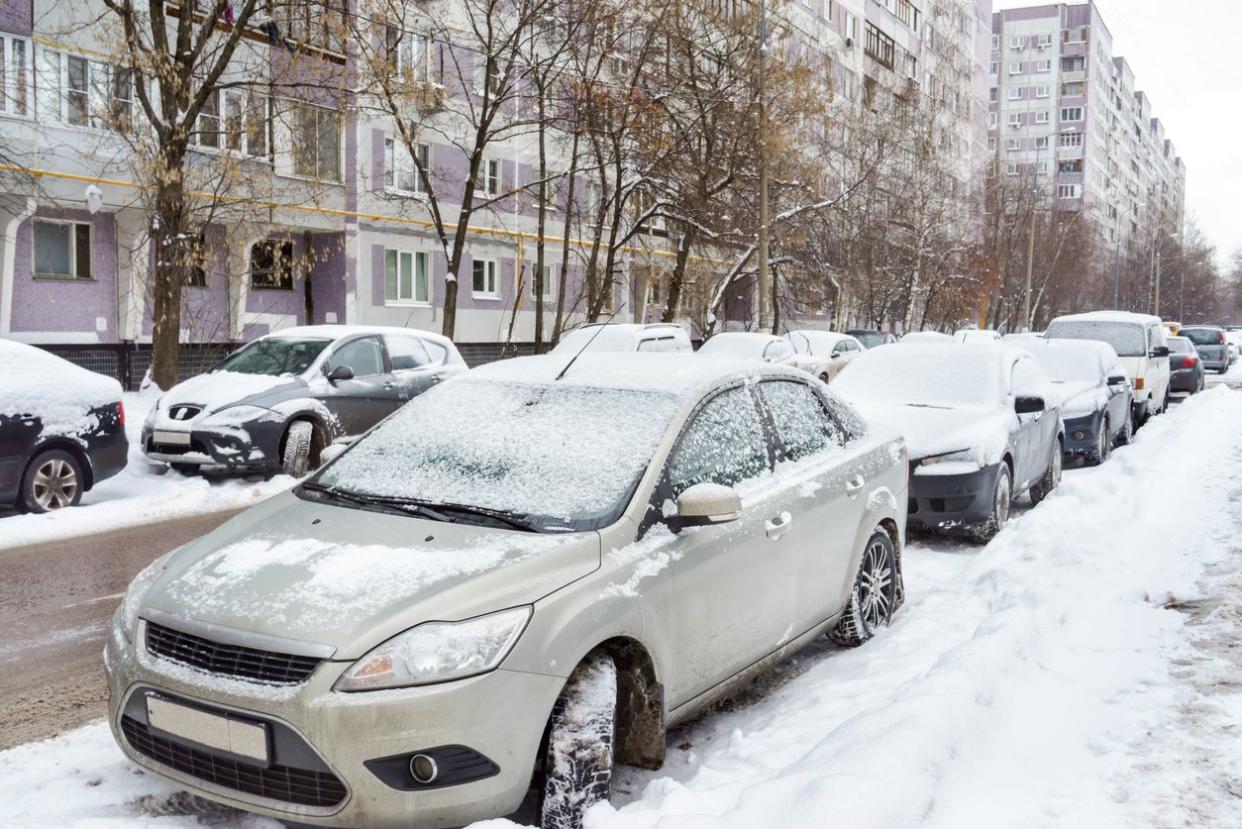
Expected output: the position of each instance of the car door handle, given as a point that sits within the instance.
(778, 525)
(854, 486)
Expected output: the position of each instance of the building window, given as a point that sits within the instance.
(14, 74)
(996, 42)
(483, 279)
(1042, 91)
(400, 171)
(1075, 64)
(1043, 66)
(232, 120)
(1015, 68)
(271, 264)
(992, 120)
(1069, 191)
(547, 283)
(1071, 139)
(1015, 119)
(1015, 94)
(488, 181)
(196, 276)
(62, 250)
(1071, 113)
(880, 46)
(1041, 142)
(1013, 143)
(409, 55)
(995, 67)
(407, 277)
(316, 23)
(316, 142)
(1017, 42)
(1011, 169)
(1074, 166)
(1041, 117)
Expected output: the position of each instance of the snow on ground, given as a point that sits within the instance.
(1078, 671)
(141, 493)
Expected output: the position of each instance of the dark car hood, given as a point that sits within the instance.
(221, 389)
(350, 579)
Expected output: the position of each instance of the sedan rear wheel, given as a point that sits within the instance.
(875, 593)
(52, 481)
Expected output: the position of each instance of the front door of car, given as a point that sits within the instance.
(413, 367)
(367, 396)
(1035, 429)
(823, 486)
(734, 583)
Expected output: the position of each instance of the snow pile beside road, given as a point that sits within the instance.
(140, 494)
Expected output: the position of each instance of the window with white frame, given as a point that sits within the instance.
(995, 67)
(1015, 93)
(1069, 191)
(407, 277)
(1016, 41)
(1011, 169)
(1013, 144)
(400, 171)
(1071, 113)
(75, 90)
(1071, 139)
(484, 280)
(992, 120)
(1041, 142)
(408, 55)
(1015, 67)
(1043, 91)
(234, 120)
(15, 56)
(1041, 117)
(488, 181)
(1043, 66)
(996, 42)
(316, 141)
(62, 250)
(547, 283)
(1015, 119)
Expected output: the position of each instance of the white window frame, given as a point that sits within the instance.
(1069, 120)
(1012, 169)
(489, 177)
(1017, 42)
(996, 43)
(1069, 191)
(1013, 144)
(1042, 117)
(295, 126)
(1041, 142)
(17, 86)
(398, 165)
(73, 249)
(549, 285)
(1043, 66)
(1015, 119)
(491, 272)
(992, 119)
(418, 260)
(995, 67)
(1015, 67)
(414, 55)
(1070, 139)
(1043, 91)
(1015, 93)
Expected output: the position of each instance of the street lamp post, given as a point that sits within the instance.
(764, 276)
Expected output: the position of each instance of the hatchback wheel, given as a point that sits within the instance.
(1052, 475)
(1104, 446)
(875, 593)
(52, 481)
(1002, 497)
(296, 457)
(578, 762)
(1127, 430)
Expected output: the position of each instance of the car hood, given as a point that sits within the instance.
(1080, 397)
(939, 431)
(221, 389)
(351, 579)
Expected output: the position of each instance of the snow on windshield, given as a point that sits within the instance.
(943, 376)
(724, 345)
(560, 452)
(275, 356)
(59, 393)
(1067, 365)
(1127, 339)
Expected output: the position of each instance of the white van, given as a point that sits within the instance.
(1138, 340)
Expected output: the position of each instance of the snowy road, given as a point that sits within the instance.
(1078, 671)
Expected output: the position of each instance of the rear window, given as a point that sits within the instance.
(1127, 339)
(1180, 345)
(1203, 336)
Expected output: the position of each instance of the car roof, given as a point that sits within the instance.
(1084, 347)
(335, 332)
(1207, 327)
(819, 333)
(1110, 316)
(680, 374)
(751, 336)
(635, 327)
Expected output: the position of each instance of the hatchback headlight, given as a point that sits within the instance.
(964, 456)
(234, 415)
(137, 592)
(438, 652)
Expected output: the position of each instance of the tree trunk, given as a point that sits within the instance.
(172, 257)
(678, 278)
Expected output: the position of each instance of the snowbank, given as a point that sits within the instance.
(139, 494)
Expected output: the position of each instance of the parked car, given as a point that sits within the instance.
(1209, 341)
(1186, 369)
(977, 335)
(739, 345)
(823, 353)
(1139, 340)
(871, 338)
(617, 336)
(275, 403)
(982, 425)
(1093, 391)
(460, 604)
(926, 337)
(62, 429)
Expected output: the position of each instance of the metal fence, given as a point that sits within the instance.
(128, 362)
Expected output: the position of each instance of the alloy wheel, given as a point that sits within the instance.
(55, 484)
(876, 587)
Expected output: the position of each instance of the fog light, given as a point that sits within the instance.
(423, 768)
(1080, 435)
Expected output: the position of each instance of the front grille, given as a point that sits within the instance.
(288, 785)
(229, 660)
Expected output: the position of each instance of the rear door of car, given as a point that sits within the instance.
(734, 583)
(1031, 438)
(371, 394)
(822, 486)
(414, 367)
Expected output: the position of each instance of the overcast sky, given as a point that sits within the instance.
(1184, 56)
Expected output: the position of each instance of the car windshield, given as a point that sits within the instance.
(1127, 339)
(869, 339)
(556, 456)
(1068, 365)
(1202, 336)
(1180, 345)
(933, 376)
(724, 345)
(274, 356)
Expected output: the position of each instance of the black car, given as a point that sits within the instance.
(275, 403)
(62, 429)
(1186, 371)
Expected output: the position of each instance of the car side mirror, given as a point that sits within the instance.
(1118, 380)
(331, 452)
(1029, 405)
(341, 373)
(705, 505)
(1160, 351)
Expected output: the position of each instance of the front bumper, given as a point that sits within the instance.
(1082, 435)
(951, 502)
(500, 715)
(235, 448)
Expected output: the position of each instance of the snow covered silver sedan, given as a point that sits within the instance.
(517, 580)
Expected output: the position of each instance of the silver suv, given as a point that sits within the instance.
(517, 578)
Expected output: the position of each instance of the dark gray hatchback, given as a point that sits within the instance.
(276, 403)
(1210, 342)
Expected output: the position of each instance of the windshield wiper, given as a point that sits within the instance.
(513, 519)
(411, 506)
(376, 503)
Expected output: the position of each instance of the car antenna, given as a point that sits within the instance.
(587, 344)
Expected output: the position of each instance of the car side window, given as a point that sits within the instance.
(724, 444)
(1028, 380)
(406, 353)
(365, 356)
(658, 344)
(803, 425)
(437, 352)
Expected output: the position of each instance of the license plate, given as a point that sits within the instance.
(172, 438)
(211, 730)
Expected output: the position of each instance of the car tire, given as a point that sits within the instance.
(1052, 476)
(874, 595)
(295, 458)
(1104, 447)
(1126, 435)
(578, 761)
(52, 481)
(1002, 498)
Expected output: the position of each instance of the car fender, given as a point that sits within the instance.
(74, 445)
(314, 410)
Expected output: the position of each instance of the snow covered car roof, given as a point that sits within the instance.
(928, 374)
(1109, 316)
(620, 336)
(61, 394)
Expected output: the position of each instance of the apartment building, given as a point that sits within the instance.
(1066, 115)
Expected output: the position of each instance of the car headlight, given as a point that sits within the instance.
(137, 592)
(961, 458)
(234, 415)
(152, 413)
(438, 652)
